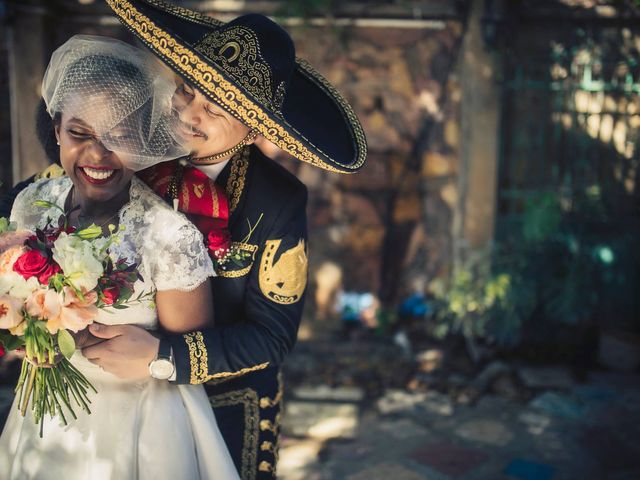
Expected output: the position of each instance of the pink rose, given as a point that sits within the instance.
(8, 258)
(10, 312)
(44, 304)
(76, 313)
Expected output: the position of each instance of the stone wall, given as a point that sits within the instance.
(388, 228)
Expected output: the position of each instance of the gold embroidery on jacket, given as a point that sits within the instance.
(236, 180)
(246, 247)
(199, 361)
(249, 400)
(266, 402)
(285, 280)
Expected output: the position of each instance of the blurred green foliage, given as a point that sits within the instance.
(571, 263)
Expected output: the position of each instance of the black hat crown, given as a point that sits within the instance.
(257, 54)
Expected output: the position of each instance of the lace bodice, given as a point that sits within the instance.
(168, 248)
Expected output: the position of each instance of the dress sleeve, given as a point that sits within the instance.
(23, 213)
(179, 259)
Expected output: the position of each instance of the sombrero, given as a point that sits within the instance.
(248, 67)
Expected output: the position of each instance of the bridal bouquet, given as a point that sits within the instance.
(54, 281)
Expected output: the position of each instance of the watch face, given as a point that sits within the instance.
(161, 369)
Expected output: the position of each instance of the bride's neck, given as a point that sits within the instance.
(96, 208)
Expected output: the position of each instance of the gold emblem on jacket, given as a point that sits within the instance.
(283, 281)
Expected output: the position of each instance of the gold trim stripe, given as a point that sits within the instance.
(235, 273)
(266, 402)
(230, 97)
(237, 177)
(199, 361)
(249, 399)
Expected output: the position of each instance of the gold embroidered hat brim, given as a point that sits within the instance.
(313, 124)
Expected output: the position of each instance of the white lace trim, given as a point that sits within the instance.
(168, 247)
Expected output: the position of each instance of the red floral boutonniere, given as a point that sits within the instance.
(224, 251)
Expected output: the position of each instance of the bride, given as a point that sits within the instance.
(108, 103)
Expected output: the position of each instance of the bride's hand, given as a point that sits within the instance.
(126, 350)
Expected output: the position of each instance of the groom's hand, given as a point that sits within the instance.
(84, 339)
(125, 352)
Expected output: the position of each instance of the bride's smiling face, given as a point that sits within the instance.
(98, 174)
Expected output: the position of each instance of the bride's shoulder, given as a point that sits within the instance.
(51, 190)
(45, 188)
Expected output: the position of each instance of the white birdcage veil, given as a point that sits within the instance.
(120, 92)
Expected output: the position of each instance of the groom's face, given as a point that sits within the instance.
(205, 127)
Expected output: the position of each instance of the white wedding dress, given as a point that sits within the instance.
(137, 430)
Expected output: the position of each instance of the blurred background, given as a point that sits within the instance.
(474, 301)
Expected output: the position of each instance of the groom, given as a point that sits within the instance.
(240, 85)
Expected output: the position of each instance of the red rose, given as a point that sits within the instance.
(34, 264)
(2, 352)
(110, 295)
(219, 241)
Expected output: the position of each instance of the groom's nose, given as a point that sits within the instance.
(189, 115)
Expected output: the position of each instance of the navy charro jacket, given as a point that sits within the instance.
(257, 304)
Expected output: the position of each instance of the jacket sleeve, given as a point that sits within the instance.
(273, 308)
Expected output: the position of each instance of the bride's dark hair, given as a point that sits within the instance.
(46, 133)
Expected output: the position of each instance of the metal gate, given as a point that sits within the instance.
(570, 120)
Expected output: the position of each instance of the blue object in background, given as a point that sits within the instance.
(352, 304)
(415, 306)
(527, 470)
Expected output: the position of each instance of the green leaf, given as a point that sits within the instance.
(89, 233)
(4, 225)
(9, 341)
(66, 343)
(45, 204)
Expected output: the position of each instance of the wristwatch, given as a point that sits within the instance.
(162, 368)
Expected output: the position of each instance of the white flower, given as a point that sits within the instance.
(99, 245)
(79, 261)
(14, 284)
